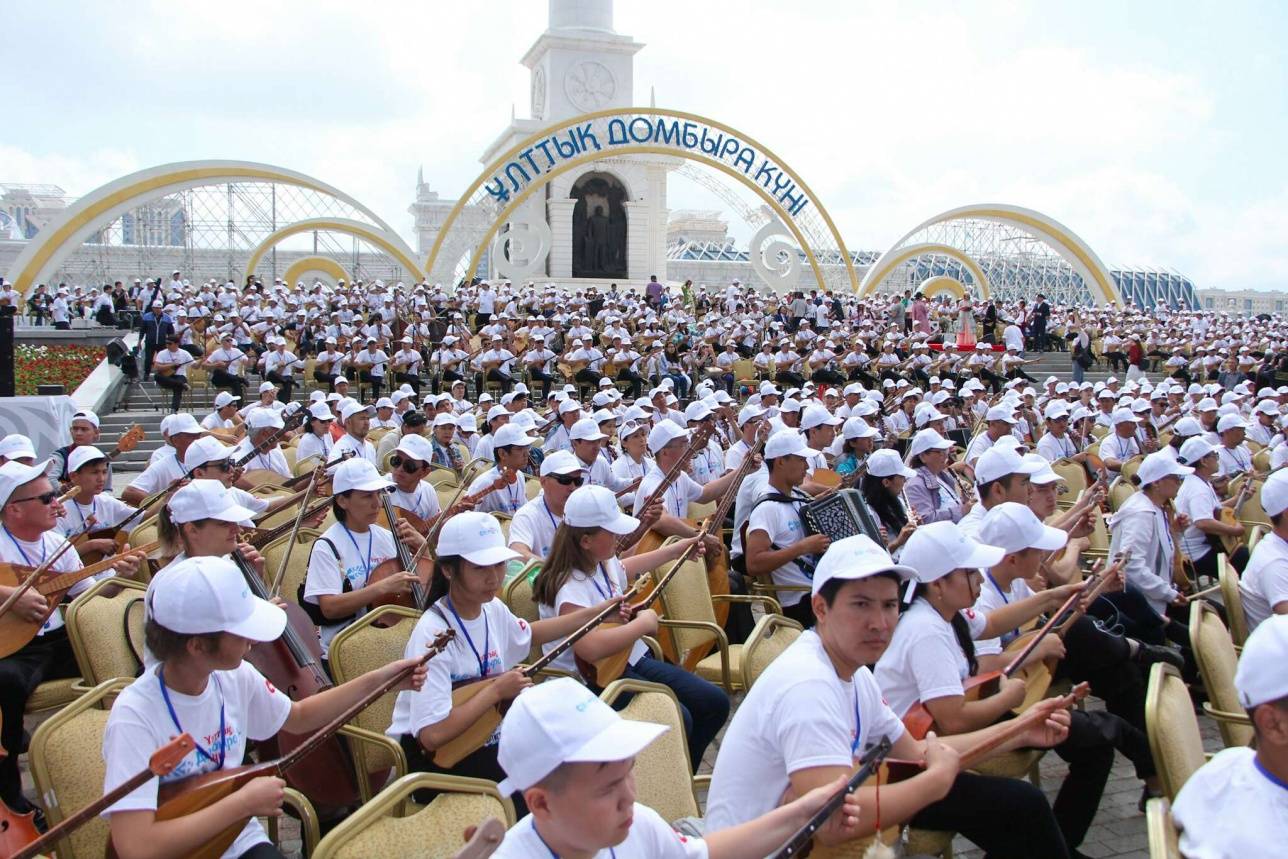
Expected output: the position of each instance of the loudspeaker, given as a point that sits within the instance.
(116, 350)
(7, 385)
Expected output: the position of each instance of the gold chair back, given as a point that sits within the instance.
(1173, 729)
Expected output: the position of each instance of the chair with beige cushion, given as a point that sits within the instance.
(298, 565)
(1075, 478)
(358, 648)
(391, 824)
(518, 597)
(1119, 491)
(1164, 840)
(772, 635)
(663, 777)
(1232, 599)
(1173, 729)
(96, 629)
(1217, 661)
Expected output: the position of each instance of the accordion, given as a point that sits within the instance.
(840, 515)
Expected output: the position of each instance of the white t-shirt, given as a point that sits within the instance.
(360, 447)
(160, 473)
(178, 358)
(496, 638)
(650, 838)
(582, 590)
(799, 715)
(1264, 583)
(140, 723)
(32, 553)
(782, 522)
(534, 526)
(314, 445)
(1230, 809)
(359, 554)
(1197, 499)
(924, 660)
(269, 460)
(107, 510)
(423, 502)
(675, 500)
(507, 499)
(991, 598)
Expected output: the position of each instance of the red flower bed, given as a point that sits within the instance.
(66, 365)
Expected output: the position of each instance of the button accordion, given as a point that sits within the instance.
(841, 514)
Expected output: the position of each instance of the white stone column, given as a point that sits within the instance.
(639, 230)
(559, 216)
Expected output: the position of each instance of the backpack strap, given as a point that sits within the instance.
(313, 610)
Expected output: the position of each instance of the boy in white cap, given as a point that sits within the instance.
(511, 446)
(1120, 444)
(93, 508)
(224, 416)
(817, 708)
(572, 756)
(1199, 502)
(203, 621)
(262, 446)
(84, 431)
(1264, 583)
(1236, 805)
(166, 470)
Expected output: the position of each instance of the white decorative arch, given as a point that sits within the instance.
(46, 252)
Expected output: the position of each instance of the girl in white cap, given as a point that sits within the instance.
(583, 569)
(203, 622)
(490, 642)
(572, 758)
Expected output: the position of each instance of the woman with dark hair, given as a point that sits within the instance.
(671, 365)
(490, 641)
(882, 488)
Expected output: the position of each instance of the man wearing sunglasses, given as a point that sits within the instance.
(28, 513)
(210, 459)
(532, 532)
(407, 469)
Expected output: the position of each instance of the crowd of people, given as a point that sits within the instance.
(574, 442)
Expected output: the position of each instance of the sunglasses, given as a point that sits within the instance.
(568, 479)
(222, 465)
(46, 499)
(411, 466)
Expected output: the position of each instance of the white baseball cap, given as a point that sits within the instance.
(17, 446)
(1015, 527)
(203, 450)
(1229, 422)
(184, 424)
(814, 416)
(697, 411)
(14, 474)
(1188, 426)
(207, 499)
(569, 405)
(1043, 473)
(444, 419)
(559, 722)
(352, 408)
(560, 462)
(886, 463)
(476, 537)
(927, 439)
(935, 550)
(857, 427)
(511, 434)
(1001, 413)
(90, 417)
(205, 595)
(586, 429)
(1194, 449)
(749, 413)
(357, 473)
(320, 412)
(998, 462)
(1158, 465)
(787, 442)
(1260, 677)
(82, 456)
(265, 387)
(856, 557)
(1274, 493)
(665, 433)
(225, 398)
(264, 419)
(596, 507)
(417, 447)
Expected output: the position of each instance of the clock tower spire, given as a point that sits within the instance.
(580, 63)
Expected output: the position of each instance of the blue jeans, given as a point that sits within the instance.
(1077, 372)
(703, 705)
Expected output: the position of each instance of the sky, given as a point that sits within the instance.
(1154, 130)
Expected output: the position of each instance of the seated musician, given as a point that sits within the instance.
(370, 363)
(443, 442)
(28, 513)
(816, 708)
(262, 425)
(588, 442)
(510, 446)
(384, 416)
(337, 589)
(559, 438)
(203, 622)
(1197, 499)
(750, 419)
(170, 369)
(857, 439)
(1236, 805)
(1000, 421)
(583, 569)
(882, 487)
(490, 643)
(84, 431)
(315, 441)
(406, 365)
(667, 441)
(932, 654)
(407, 468)
(1001, 475)
(577, 783)
(1056, 443)
(1120, 444)
(1234, 457)
(326, 368)
(775, 545)
(226, 366)
(168, 469)
(356, 420)
(93, 508)
(1264, 583)
(934, 491)
(532, 531)
(224, 417)
(210, 459)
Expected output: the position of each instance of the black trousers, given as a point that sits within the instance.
(588, 376)
(408, 379)
(327, 378)
(786, 377)
(538, 375)
(263, 850)
(1008, 817)
(824, 376)
(176, 385)
(1089, 752)
(1104, 660)
(63, 326)
(495, 375)
(802, 612)
(285, 385)
(1206, 565)
(224, 379)
(480, 763)
(46, 657)
(374, 381)
(636, 380)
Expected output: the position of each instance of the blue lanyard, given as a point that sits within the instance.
(93, 509)
(611, 852)
(1271, 777)
(1001, 593)
(23, 551)
(487, 638)
(174, 717)
(371, 539)
(608, 583)
(548, 513)
(858, 720)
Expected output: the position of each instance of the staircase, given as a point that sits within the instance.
(1060, 365)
